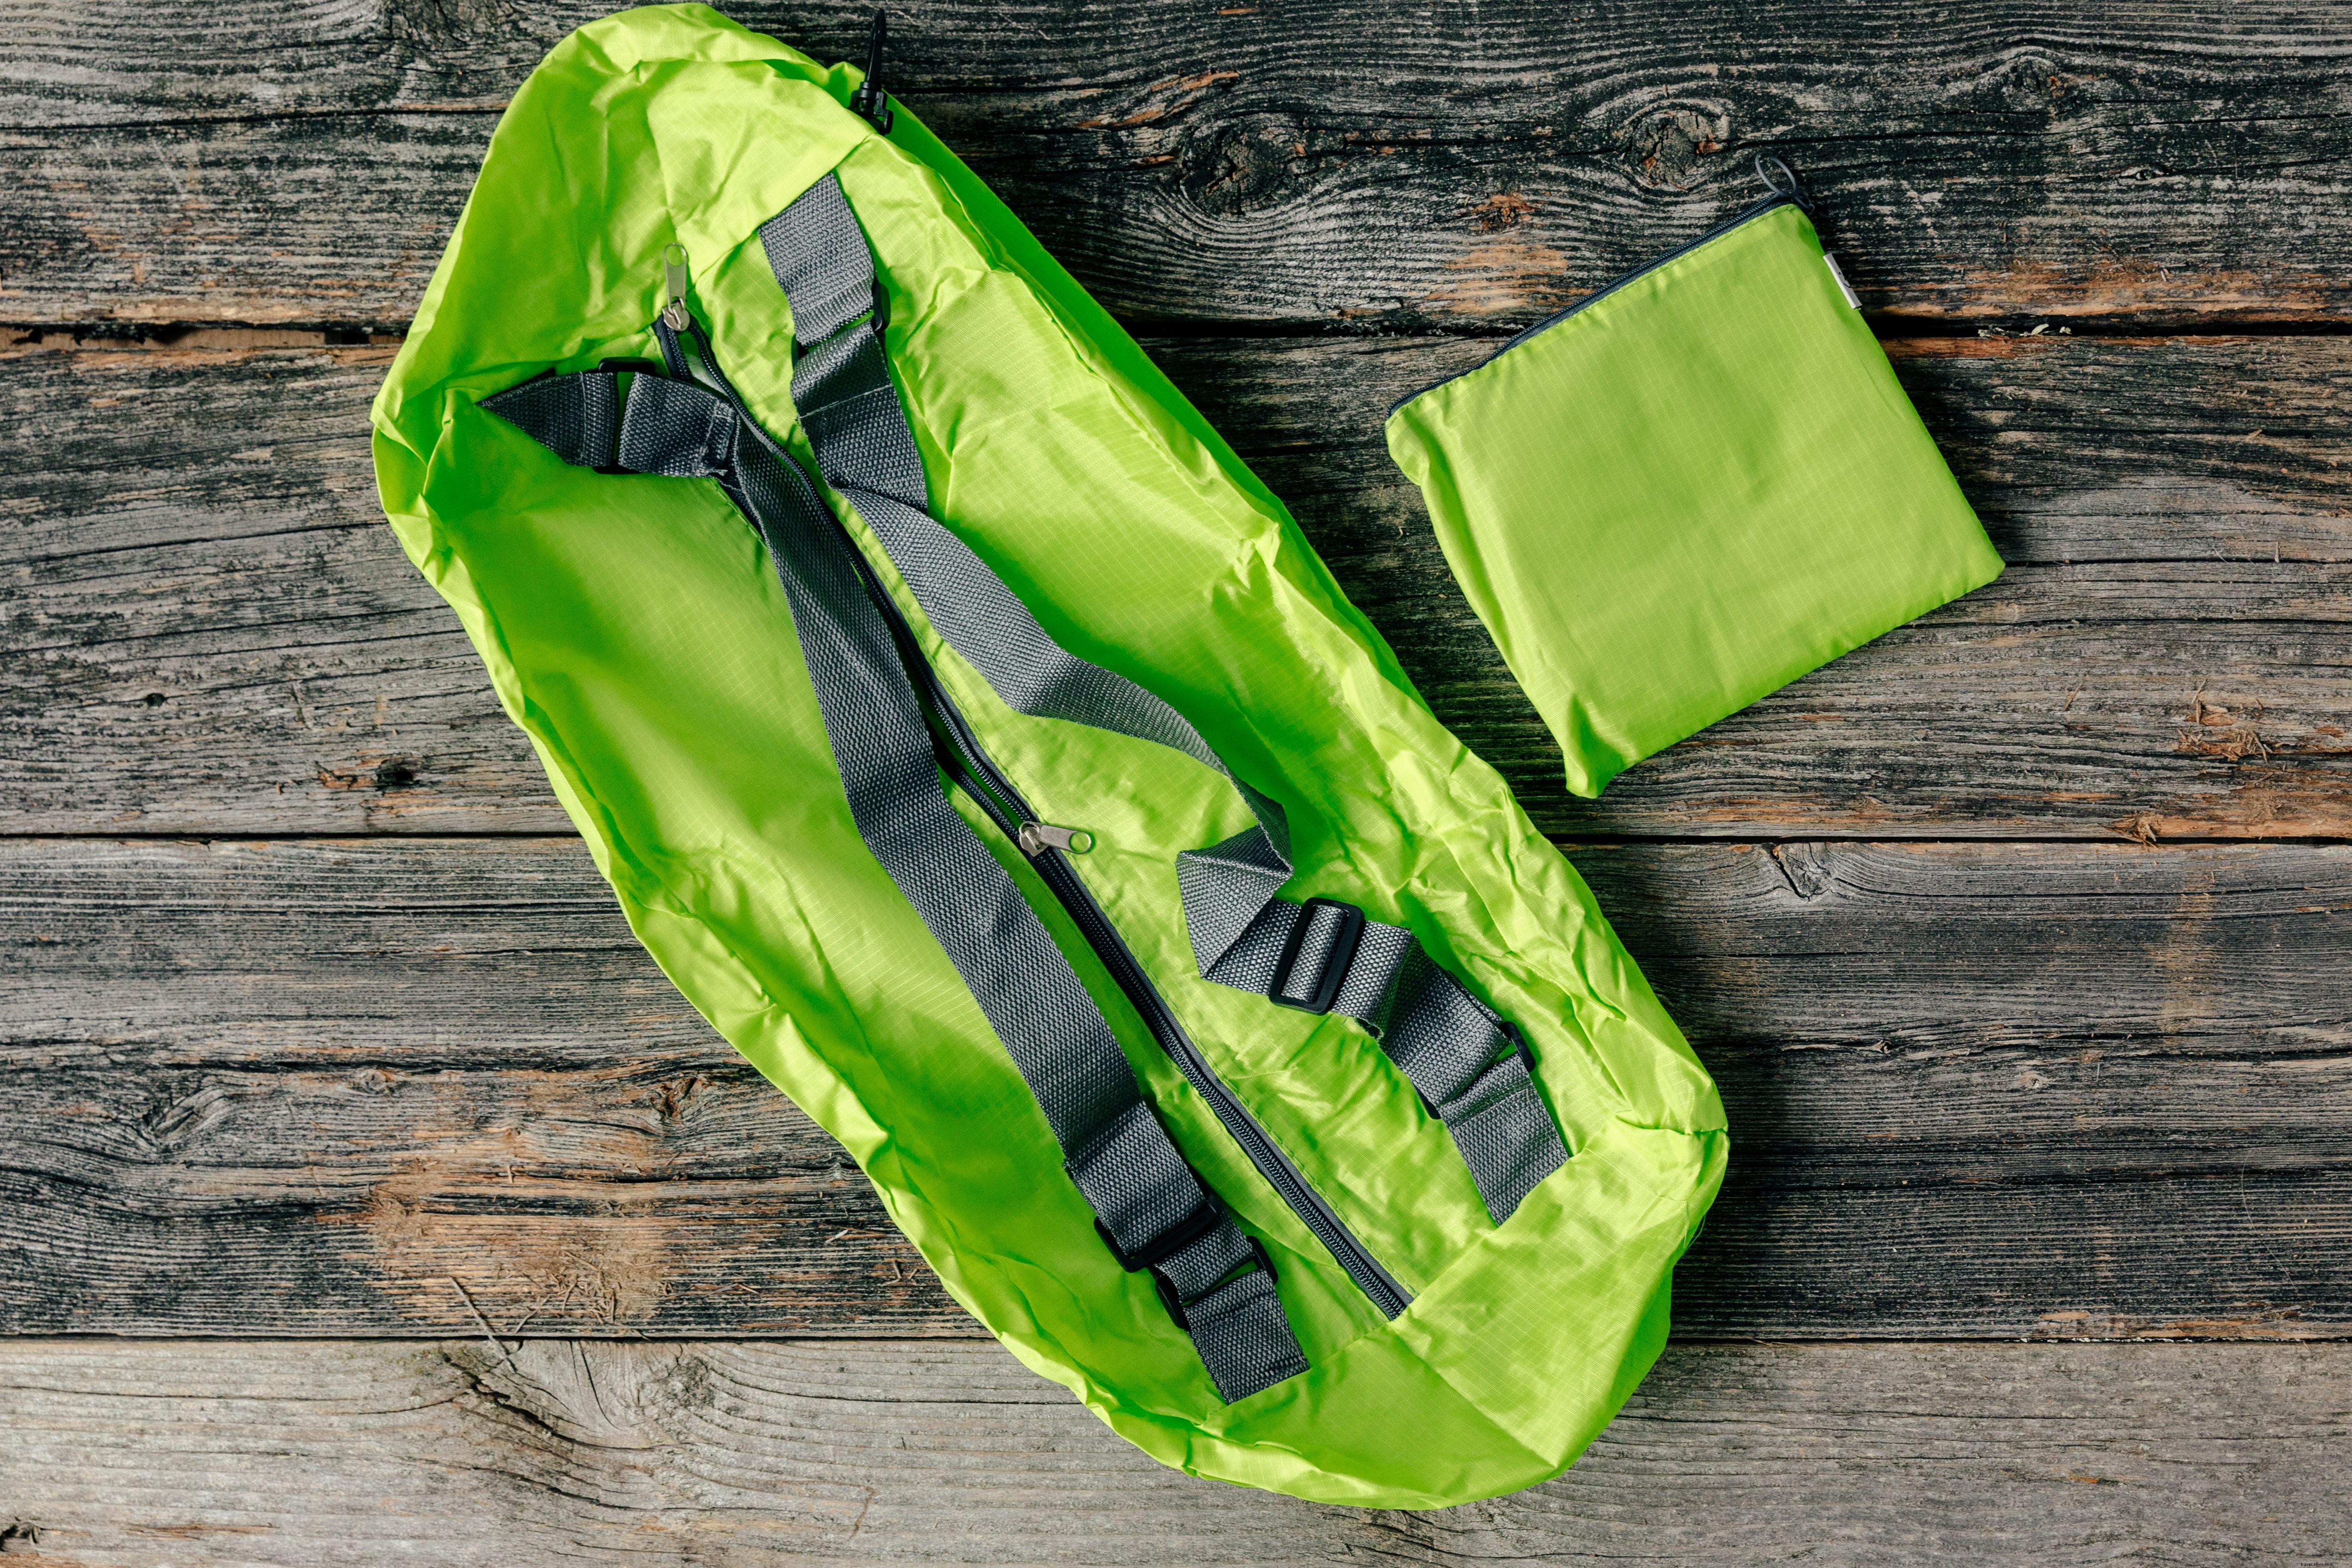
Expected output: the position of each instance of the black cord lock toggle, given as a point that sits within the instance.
(869, 99)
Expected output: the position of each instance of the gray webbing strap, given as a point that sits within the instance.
(1468, 1065)
(577, 418)
(1151, 1208)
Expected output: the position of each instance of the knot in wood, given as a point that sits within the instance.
(1665, 143)
(1243, 164)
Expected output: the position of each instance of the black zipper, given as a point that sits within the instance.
(1556, 317)
(976, 774)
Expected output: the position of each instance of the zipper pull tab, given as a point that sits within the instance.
(869, 99)
(1036, 838)
(1766, 165)
(675, 283)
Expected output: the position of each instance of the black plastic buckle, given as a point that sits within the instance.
(880, 319)
(1175, 1303)
(1203, 1219)
(1335, 962)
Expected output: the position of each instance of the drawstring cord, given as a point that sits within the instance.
(1766, 164)
(869, 99)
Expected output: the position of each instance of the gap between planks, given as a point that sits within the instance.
(1895, 332)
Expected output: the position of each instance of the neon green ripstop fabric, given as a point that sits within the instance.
(634, 629)
(1688, 493)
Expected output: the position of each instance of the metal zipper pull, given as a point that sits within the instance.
(675, 283)
(1036, 838)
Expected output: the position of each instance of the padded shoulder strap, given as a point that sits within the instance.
(1468, 1066)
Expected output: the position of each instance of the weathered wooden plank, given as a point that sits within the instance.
(336, 1087)
(205, 609)
(102, 63)
(208, 629)
(1397, 164)
(696, 1452)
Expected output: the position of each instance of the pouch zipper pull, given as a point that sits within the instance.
(1794, 191)
(869, 99)
(675, 283)
(1036, 838)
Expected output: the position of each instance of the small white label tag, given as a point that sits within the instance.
(1828, 259)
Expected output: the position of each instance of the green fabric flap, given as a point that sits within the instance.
(1688, 492)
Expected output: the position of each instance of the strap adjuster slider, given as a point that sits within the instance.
(1336, 958)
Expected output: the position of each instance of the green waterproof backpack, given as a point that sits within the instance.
(984, 752)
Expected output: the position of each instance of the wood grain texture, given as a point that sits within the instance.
(371, 1086)
(342, 1093)
(119, 1455)
(209, 629)
(205, 606)
(1403, 166)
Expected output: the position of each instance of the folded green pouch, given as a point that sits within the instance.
(1688, 489)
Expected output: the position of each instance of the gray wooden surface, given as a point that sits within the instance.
(463, 1453)
(2012, 1091)
(2017, 940)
